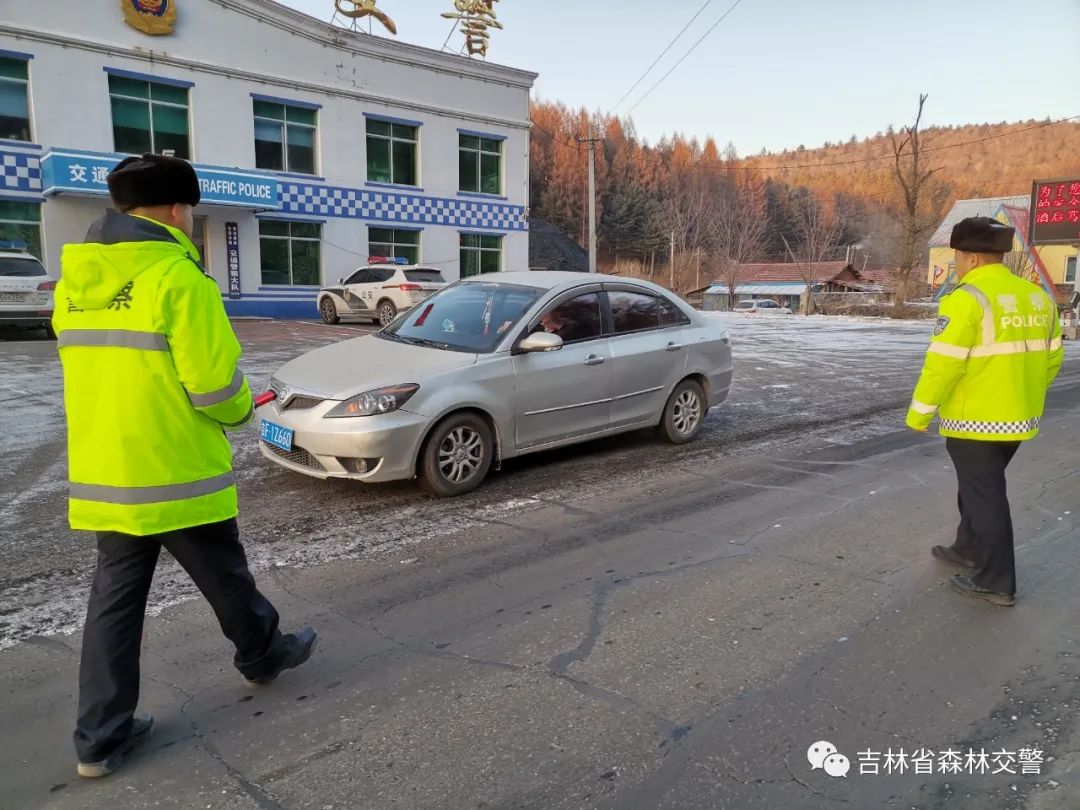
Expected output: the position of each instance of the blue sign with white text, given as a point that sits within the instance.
(88, 173)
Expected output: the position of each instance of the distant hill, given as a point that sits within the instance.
(978, 160)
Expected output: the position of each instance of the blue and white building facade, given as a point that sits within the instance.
(316, 147)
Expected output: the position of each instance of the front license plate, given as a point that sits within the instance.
(276, 435)
(13, 298)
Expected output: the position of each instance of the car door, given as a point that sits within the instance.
(565, 394)
(355, 287)
(648, 353)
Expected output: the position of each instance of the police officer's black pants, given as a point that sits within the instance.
(985, 536)
(112, 640)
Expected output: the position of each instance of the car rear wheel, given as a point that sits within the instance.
(457, 456)
(329, 312)
(49, 332)
(387, 312)
(684, 414)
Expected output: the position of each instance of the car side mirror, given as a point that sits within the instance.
(540, 342)
(341, 280)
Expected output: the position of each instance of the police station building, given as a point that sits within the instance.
(316, 146)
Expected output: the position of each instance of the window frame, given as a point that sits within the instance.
(5, 221)
(394, 244)
(588, 288)
(1073, 261)
(683, 319)
(289, 239)
(24, 58)
(480, 152)
(151, 102)
(285, 125)
(480, 249)
(391, 139)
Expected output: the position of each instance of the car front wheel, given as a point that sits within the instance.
(329, 312)
(457, 456)
(387, 313)
(684, 414)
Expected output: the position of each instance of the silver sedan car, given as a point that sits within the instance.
(494, 367)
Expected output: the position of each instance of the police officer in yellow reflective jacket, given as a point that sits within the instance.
(151, 384)
(996, 349)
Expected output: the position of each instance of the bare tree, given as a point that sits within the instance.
(819, 233)
(920, 201)
(1019, 261)
(738, 226)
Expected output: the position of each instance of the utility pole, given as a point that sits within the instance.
(592, 197)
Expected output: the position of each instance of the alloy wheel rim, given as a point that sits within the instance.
(386, 315)
(461, 453)
(328, 311)
(686, 415)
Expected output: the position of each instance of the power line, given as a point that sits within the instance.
(554, 137)
(685, 55)
(663, 53)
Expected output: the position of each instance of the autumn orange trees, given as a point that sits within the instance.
(719, 209)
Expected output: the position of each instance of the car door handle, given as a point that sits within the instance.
(673, 347)
(594, 360)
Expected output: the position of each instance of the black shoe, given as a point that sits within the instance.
(140, 730)
(298, 649)
(965, 586)
(946, 554)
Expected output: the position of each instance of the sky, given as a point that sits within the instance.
(777, 74)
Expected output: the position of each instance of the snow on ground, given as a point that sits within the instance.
(833, 379)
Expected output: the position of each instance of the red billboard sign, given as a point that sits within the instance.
(1055, 212)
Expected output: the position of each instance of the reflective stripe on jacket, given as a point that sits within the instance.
(996, 350)
(150, 381)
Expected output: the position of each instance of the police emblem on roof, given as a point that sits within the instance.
(154, 17)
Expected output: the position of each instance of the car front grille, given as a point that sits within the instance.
(302, 403)
(298, 455)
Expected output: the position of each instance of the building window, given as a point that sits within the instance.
(386, 242)
(1070, 270)
(149, 117)
(14, 99)
(20, 226)
(480, 164)
(391, 153)
(290, 252)
(480, 253)
(284, 138)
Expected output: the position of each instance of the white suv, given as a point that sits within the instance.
(379, 292)
(26, 291)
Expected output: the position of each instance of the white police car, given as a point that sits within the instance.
(26, 290)
(380, 291)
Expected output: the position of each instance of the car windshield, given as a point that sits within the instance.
(18, 266)
(425, 276)
(469, 317)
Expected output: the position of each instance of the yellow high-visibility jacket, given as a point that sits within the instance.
(150, 381)
(995, 351)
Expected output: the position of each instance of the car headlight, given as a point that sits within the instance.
(372, 403)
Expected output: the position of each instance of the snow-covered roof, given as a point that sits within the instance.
(962, 209)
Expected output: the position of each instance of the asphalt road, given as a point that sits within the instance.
(623, 625)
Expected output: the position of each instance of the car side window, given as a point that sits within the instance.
(380, 274)
(360, 277)
(635, 312)
(574, 320)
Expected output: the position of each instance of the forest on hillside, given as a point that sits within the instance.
(719, 209)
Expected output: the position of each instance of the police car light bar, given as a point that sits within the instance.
(12, 245)
(387, 260)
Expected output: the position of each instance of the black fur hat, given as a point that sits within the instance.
(982, 235)
(153, 180)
